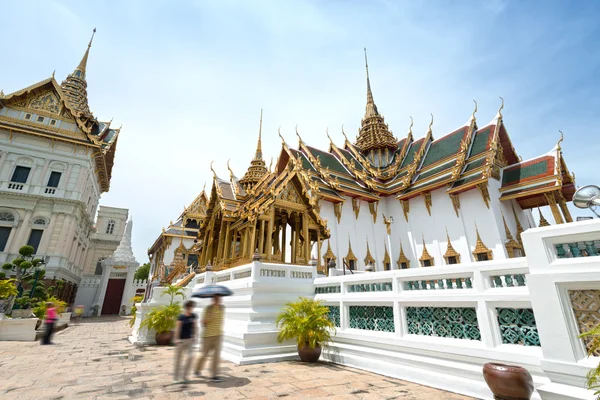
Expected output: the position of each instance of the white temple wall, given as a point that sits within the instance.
(400, 233)
(170, 251)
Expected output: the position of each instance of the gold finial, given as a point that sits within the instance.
(371, 109)
(271, 164)
(411, 125)
(344, 133)
(329, 137)
(297, 134)
(83, 64)
(501, 107)
(204, 187)
(431, 123)
(213, 171)
(53, 72)
(231, 174)
(543, 221)
(1, 93)
(560, 140)
(475, 110)
(279, 133)
(258, 155)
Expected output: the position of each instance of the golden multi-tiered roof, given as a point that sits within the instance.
(257, 168)
(375, 140)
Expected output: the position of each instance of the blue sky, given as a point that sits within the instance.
(187, 79)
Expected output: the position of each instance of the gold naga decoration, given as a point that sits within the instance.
(450, 252)
(368, 258)
(427, 199)
(403, 262)
(455, 203)
(356, 206)
(373, 206)
(426, 259)
(481, 249)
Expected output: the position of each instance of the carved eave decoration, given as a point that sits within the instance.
(356, 206)
(455, 203)
(485, 194)
(369, 258)
(329, 254)
(425, 256)
(402, 259)
(427, 200)
(405, 208)
(373, 206)
(481, 248)
(450, 252)
(388, 224)
(337, 210)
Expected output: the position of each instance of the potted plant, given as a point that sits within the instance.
(164, 319)
(134, 300)
(26, 267)
(593, 376)
(307, 321)
(8, 291)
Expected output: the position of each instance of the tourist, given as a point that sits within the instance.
(185, 335)
(51, 318)
(212, 321)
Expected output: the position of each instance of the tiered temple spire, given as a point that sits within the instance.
(75, 86)
(374, 138)
(258, 167)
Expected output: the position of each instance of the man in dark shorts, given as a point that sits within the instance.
(185, 337)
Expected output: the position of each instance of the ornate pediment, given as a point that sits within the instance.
(47, 101)
(290, 194)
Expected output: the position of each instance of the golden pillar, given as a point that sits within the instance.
(227, 243)
(283, 236)
(269, 245)
(306, 237)
(221, 240)
(319, 249)
(261, 238)
(252, 241)
(563, 207)
(551, 199)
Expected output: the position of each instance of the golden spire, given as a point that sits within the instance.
(430, 124)
(258, 155)
(519, 227)
(231, 174)
(410, 127)
(543, 221)
(369, 258)
(499, 115)
(506, 230)
(450, 251)
(258, 167)
(212, 169)
(371, 109)
(83, 64)
(374, 135)
(559, 140)
(425, 255)
(474, 111)
(75, 86)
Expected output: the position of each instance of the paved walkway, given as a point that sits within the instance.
(94, 360)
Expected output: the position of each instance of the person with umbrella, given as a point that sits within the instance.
(212, 322)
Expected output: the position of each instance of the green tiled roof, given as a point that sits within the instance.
(350, 158)
(521, 172)
(328, 160)
(435, 170)
(444, 147)
(474, 164)
(410, 154)
(305, 163)
(440, 179)
(464, 181)
(480, 141)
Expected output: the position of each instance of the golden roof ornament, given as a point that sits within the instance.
(425, 256)
(450, 251)
(374, 133)
(368, 258)
(481, 248)
(559, 141)
(75, 86)
(543, 221)
(213, 170)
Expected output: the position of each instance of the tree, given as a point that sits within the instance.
(142, 272)
(25, 267)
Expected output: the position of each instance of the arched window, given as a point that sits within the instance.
(7, 216)
(110, 228)
(39, 221)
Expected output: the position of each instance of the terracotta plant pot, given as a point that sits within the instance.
(163, 339)
(309, 355)
(508, 382)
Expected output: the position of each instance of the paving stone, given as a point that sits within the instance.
(93, 360)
